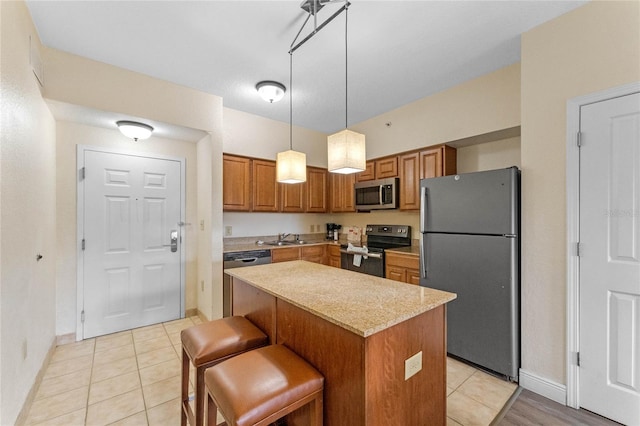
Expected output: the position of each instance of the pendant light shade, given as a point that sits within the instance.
(346, 152)
(291, 167)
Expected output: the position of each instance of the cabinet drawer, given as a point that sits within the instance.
(312, 251)
(409, 261)
(285, 254)
(334, 250)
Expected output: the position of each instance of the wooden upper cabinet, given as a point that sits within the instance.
(379, 169)
(342, 192)
(368, 174)
(431, 162)
(292, 197)
(236, 183)
(265, 187)
(409, 171)
(316, 185)
(387, 168)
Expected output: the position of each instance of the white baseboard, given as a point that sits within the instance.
(545, 387)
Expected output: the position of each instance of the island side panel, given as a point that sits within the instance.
(420, 400)
(338, 354)
(256, 305)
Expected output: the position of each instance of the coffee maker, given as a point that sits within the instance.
(332, 228)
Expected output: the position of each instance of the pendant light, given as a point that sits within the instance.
(291, 166)
(346, 151)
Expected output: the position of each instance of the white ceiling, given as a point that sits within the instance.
(399, 51)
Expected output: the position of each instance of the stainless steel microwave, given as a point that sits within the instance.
(377, 194)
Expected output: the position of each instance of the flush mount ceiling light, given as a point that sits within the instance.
(291, 166)
(134, 130)
(270, 91)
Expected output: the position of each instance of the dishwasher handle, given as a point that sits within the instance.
(247, 259)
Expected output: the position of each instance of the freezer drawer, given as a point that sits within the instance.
(483, 322)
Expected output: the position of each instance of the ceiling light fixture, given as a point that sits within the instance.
(270, 91)
(346, 150)
(291, 166)
(134, 130)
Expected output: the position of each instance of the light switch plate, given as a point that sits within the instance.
(228, 231)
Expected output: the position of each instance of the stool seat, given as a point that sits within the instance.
(207, 344)
(262, 385)
(220, 338)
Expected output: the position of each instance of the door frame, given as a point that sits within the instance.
(80, 150)
(573, 231)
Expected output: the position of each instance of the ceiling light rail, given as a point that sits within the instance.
(317, 5)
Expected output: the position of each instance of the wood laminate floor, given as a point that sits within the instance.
(530, 409)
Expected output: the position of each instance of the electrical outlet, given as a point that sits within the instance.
(228, 231)
(412, 365)
(24, 349)
(202, 285)
(312, 227)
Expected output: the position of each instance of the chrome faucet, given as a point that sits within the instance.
(281, 237)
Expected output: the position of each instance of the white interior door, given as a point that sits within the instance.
(609, 374)
(132, 267)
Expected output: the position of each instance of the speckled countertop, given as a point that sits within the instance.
(412, 250)
(361, 303)
(228, 248)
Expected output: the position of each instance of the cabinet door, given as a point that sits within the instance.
(368, 174)
(316, 190)
(397, 274)
(313, 253)
(292, 197)
(342, 195)
(236, 183)
(387, 168)
(431, 163)
(409, 170)
(265, 187)
(413, 276)
(334, 261)
(285, 254)
(449, 161)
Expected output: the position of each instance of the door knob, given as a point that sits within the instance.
(173, 235)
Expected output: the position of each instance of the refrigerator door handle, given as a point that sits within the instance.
(423, 259)
(423, 209)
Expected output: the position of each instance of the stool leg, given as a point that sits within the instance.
(212, 411)
(316, 411)
(200, 396)
(185, 388)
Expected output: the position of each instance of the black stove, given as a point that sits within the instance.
(379, 238)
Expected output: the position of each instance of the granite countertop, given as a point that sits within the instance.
(229, 248)
(360, 303)
(412, 250)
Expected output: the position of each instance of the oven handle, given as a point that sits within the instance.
(373, 255)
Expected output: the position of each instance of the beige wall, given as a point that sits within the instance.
(489, 156)
(28, 221)
(483, 105)
(592, 48)
(68, 137)
(255, 136)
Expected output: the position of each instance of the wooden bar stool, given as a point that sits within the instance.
(207, 344)
(261, 386)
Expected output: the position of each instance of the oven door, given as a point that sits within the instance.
(372, 265)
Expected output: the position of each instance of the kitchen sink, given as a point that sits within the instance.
(284, 243)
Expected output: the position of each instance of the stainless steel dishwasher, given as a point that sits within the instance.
(239, 259)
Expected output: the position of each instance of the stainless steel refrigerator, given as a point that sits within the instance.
(470, 245)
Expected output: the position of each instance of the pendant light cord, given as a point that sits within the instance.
(291, 100)
(346, 63)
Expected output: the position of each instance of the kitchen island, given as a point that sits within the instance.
(357, 330)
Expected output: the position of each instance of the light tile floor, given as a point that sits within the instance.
(133, 378)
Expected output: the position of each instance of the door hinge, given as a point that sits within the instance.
(578, 359)
(579, 139)
(82, 316)
(83, 244)
(578, 249)
(82, 173)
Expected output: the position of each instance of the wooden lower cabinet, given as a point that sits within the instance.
(311, 253)
(333, 256)
(403, 267)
